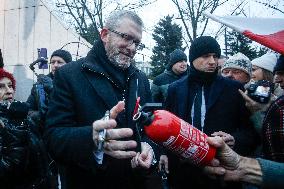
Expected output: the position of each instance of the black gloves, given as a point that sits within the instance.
(18, 110)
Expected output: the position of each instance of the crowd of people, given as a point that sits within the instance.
(76, 129)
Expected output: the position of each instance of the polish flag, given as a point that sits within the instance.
(266, 31)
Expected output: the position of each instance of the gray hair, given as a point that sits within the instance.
(114, 18)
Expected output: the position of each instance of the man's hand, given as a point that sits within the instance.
(112, 145)
(227, 161)
(145, 158)
(228, 139)
(164, 162)
(230, 166)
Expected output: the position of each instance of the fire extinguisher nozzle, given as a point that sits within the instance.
(143, 118)
(136, 116)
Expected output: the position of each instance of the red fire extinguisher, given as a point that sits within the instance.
(176, 135)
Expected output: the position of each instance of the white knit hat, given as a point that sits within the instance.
(238, 61)
(267, 61)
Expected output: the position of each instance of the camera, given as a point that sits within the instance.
(260, 91)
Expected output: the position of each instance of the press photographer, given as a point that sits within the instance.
(23, 161)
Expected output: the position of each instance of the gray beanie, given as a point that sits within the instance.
(176, 56)
(238, 61)
(65, 55)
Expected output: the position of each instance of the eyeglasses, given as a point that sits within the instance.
(233, 71)
(128, 39)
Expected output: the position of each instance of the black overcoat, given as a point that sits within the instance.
(83, 92)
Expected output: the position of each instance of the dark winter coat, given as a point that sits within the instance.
(225, 111)
(273, 131)
(161, 83)
(23, 157)
(33, 99)
(83, 91)
(38, 99)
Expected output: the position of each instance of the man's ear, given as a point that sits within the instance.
(104, 34)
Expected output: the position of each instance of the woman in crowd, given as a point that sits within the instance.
(22, 163)
(262, 69)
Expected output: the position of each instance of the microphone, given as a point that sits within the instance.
(43, 60)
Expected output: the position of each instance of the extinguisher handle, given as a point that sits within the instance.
(149, 107)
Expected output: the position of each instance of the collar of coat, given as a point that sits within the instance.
(97, 61)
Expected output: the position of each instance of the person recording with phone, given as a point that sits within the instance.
(39, 98)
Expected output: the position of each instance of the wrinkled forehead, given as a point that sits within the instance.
(126, 25)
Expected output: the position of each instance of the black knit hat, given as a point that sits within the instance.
(279, 64)
(65, 55)
(176, 56)
(203, 45)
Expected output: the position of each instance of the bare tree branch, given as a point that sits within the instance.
(86, 15)
(274, 7)
(191, 14)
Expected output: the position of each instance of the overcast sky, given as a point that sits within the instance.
(151, 14)
(154, 12)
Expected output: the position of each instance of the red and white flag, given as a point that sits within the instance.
(266, 31)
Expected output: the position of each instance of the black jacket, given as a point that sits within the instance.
(23, 158)
(33, 99)
(161, 83)
(83, 91)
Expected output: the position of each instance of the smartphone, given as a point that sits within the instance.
(42, 53)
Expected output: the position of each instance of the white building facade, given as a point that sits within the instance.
(25, 26)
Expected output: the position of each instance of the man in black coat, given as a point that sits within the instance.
(80, 135)
(220, 111)
(176, 69)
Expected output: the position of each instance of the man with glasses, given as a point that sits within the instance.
(237, 67)
(89, 130)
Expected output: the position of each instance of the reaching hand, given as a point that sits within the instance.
(228, 139)
(226, 163)
(254, 106)
(112, 145)
(145, 158)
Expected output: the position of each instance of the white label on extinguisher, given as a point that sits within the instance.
(190, 143)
